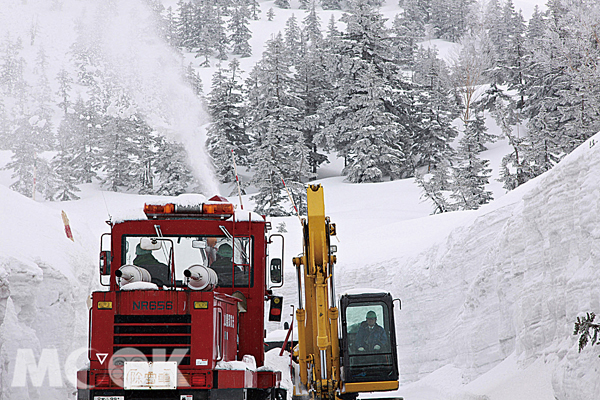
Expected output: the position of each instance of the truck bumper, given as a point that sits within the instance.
(182, 394)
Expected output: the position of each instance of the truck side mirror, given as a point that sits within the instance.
(276, 247)
(276, 271)
(105, 258)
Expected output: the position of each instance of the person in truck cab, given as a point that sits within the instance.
(224, 255)
(370, 336)
(159, 271)
(223, 264)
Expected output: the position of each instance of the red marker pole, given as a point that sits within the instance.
(67, 226)
(237, 180)
(292, 200)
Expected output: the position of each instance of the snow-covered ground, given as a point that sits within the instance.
(489, 296)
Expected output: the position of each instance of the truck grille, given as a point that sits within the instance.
(154, 336)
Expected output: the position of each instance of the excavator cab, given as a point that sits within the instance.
(368, 341)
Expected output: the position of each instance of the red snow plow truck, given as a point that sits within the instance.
(183, 315)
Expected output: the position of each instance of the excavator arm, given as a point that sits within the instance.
(317, 315)
(318, 373)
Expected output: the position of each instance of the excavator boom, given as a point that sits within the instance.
(318, 354)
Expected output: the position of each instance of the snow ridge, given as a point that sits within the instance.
(511, 282)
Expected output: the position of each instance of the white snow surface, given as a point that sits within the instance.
(140, 286)
(489, 297)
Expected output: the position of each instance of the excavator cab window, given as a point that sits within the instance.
(368, 338)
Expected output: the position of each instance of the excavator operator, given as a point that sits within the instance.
(371, 336)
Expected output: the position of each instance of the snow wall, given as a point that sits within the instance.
(45, 279)
(511, 282)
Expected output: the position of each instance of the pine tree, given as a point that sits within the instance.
(470, 175)
(194, 79)
(270, 14)
(185, 25)
(84, 144)
(561, 87)
(496, 33)
(219, 35)
(278, 151)
(203, 38)
(312, 25)
(405, 34)
(285, 4)
(449, 19)
(512, 54)
(331, 5)
(417, 13)
(310, 83)
(293, 39)
(366, 114)
(433, 112)
(240, 33)
(65, 83)
(172, 172)
(435, 185)
(65, 161)
(34, 135)
(43, 103)
(170, 28)
(12, 66)
(227, 131)
(254, 8)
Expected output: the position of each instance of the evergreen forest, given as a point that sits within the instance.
(359, 87)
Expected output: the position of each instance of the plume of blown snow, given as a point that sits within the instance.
(140, 64)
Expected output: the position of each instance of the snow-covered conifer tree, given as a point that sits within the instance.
(435, 185)
(254, 9)
(405, 35)
(282, 3)
(173, 176)
(65, 162)
(470, 174)
(12, 66)
(561, 88)
(227, 131)
(312, 25)
(240, 33)
(434, 109)
(293, 39)
(331, 5)
(278, 150)
(65, 82)
(366, 114)
(194, 79)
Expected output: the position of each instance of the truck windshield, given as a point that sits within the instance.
(231, 258)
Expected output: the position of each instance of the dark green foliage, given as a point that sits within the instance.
(587, 330)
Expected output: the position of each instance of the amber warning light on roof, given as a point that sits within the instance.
(206, 210)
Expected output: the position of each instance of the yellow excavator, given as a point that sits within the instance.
(343, 351)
